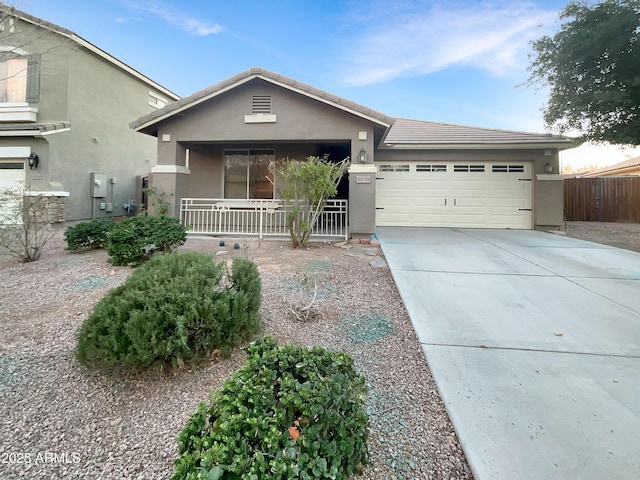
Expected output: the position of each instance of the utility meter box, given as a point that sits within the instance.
(98, 185)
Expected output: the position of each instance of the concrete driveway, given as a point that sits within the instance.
(534, 342)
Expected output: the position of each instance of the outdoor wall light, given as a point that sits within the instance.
(548, 168)
(33, 161)
(362, 156)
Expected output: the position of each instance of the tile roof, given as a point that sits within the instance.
(32, 129)
(632, 162)
(400, 132)
(413, 133)
(250, 74)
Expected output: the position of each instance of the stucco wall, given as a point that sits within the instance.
(100, 100)
(302, 128)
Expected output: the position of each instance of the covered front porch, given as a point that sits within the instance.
(234, 188)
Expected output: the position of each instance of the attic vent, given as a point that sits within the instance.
(261, 104)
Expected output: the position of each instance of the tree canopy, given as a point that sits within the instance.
(592, 68)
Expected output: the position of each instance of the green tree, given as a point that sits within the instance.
(309, 184)
(592, 67)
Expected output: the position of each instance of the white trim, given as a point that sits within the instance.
(170, 169)
(18, 50)
(30, 133)
(473, 146)
(260, 118)
(46, 194)
(15, 152)
(547, 176)
(265, 78)
(363, 168)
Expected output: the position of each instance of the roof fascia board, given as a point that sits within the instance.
(267, 79)
(186, 106)
(474, 146)
(30, 133)
(324, 100)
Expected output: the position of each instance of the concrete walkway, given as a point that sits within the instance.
(534, 342)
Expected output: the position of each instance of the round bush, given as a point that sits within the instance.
(135, 239)
(176, 307)
(88, 235)
(289, 413)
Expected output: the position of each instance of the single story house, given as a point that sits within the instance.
(629, 167)
(218, 152)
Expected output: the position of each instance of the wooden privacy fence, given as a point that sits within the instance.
(602, 199)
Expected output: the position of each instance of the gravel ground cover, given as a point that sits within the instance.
(621, 235)
(60, 421)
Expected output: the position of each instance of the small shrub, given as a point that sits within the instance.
(289, 413)
(176, 307)
(135, 239)
(88, 235)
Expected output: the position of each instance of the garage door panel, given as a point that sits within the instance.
(475, 194)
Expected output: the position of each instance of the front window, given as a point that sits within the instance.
(13, 78)
(249, 174)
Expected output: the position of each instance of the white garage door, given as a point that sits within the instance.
(454, 194)
(12, 176)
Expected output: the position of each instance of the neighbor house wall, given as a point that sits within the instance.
(99, 100)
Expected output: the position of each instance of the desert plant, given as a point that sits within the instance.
(309, 184)
(26, 225)
(157, 203)
(176, 307)
(88, 235)
(289, 413)
(135, 239)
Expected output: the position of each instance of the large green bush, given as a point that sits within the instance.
(88, 235)
(176, 307)
(289, 413)
(135, 239)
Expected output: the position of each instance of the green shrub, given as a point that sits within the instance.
(135, 239)
(88, 235)
(176, 307)
(289, 413)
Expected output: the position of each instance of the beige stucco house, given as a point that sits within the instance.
(218, 150)
(65, 109)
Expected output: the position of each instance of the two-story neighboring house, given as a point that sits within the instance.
(65, 106)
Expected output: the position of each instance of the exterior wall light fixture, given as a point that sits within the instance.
(548, 168)
(362, 156)
(33, 161)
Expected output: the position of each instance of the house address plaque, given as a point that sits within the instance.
(363, 178)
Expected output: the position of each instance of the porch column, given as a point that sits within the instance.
(362, 199)
(170, 183)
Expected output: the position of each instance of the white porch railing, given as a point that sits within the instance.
(218, 216)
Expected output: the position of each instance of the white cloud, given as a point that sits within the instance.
(173, 16)
(424, 37)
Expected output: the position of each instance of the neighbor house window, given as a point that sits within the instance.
(19, 77)
(249, 174)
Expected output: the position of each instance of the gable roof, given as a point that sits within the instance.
(25, 17)
(401, 133)
(614, 169)
(143, 123)
(412, 134)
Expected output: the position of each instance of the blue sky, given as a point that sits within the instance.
(455, 61)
